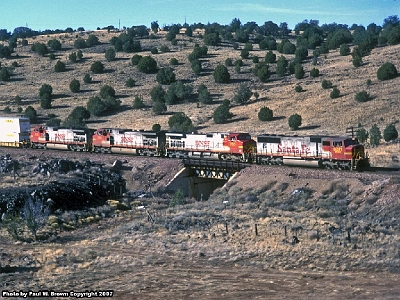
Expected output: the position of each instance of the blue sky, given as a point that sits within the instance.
(90, 14)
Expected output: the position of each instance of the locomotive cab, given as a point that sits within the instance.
(240, 145)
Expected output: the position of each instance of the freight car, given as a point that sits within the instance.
(319, 151)
(14, 131)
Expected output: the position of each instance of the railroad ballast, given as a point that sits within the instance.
(341, 152)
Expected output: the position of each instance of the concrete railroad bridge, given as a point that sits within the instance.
(200, 177)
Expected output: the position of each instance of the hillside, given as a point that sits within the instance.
(320, 114)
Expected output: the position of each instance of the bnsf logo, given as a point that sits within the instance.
(59, 136)
(202, 143)
(126, 139)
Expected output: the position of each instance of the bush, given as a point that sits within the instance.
(361, 135)
(173, 61)
(45, 101)
(165, 76)
(138, 102)
(156, 127)
(221, 74)
(40, 49)
(79, 43)
(357, 61)
(374, 135)
(75, 86)
(130, 82)
(60, 67)
(344, 49)
(30, 113)
(265, 114)
(95, 106)
(159, 107)
(362, 96)
(7, 110)
(390, 133)
(299, 71)
(157, 94)
(295, 121)
(228, 62)
(270, 57)
(92, 40)
(135, 59)
(87, 78)
(45, 89)
(147, 65)
(4, 74)
(54, 44)
(73, 57)
(110, 54)
(154, 50)
(196, 66)
(242, 94)
(107, 91)
(263, 73)
(164, 48)
(326, 84)
(76, 117)
(314, 72)
(204, 95)
(298, 88)
(97, 67)
(180, 122)
(222, 114)
(335, 93)
(386, 71)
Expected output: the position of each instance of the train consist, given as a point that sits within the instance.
(319, 151)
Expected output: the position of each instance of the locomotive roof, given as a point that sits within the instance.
(303, 136)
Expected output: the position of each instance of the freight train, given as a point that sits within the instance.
(339, 152)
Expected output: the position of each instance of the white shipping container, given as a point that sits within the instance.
(14, 124)
(11, 137)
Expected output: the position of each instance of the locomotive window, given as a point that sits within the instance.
(349, 142)
(326, 143)
(209, 135)
(337, 144)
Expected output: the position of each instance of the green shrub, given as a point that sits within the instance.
(147, 65)
(30, 113)
(54, 44)
(4, 74)
(326, 84)
(165, 76)
(156, 127)
(242, 94)
(135, 59)
(180, 122)
(295, 121)
(362, 96)
(45, 89)
(357, 61)
(60, 67)
(97, 67)
(138, 102)
(387, 71)
(299, 71)
(204, 95)
(265, 114)
(107, 91)
(221, 113)
(157, 94)
(159, 107)
(314, 72)
(228, 62)
(75, 86)
(221, 74)
(298, 88)
(270, 57)
(96, 106)
(390, 133)
(173, 61)
(344, 49)
(110, 54)
(154, 50)
(335, 93)
(374, 135)
(130, 82)
(87, 78)
(45, 101)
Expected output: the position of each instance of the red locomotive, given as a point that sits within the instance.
(320, 151)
